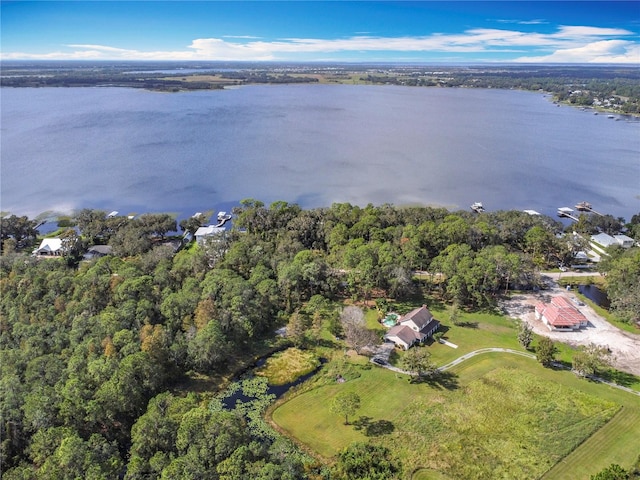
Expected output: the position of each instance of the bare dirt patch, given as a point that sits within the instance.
(625, 346)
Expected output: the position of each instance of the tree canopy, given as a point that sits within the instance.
(90, 349)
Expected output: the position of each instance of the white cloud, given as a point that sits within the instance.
(604, 51)
(102, 48)
(568, 44)
(523, 22)
(218, 49)
(240, 36)
(576, 31)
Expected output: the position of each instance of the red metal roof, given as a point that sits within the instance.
(561, 313)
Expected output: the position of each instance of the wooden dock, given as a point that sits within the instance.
(566, 212)
(586, 207)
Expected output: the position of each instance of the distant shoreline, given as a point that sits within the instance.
(175, 77)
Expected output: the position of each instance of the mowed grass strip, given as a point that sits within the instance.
(504, 417)
(617, 442)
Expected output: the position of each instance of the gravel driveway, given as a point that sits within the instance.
(625, 347)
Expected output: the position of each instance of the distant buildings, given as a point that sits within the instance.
(606, 240)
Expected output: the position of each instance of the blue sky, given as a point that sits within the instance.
(364, 31)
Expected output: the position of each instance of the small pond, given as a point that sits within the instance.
(593, 293)
(275, 391)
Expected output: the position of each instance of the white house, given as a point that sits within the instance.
(624, 241)
(607, 240)
(49, 246)
(604, 240)
(208, 232)
(415, 326)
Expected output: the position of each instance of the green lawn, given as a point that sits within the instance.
(484, 330)
(497, 416)
(477, 330)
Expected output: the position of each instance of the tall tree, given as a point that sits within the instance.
(417, 360)
(546, 351)
(525, 335)
(612, 472)
(345, 403)
(20, 229)
(622, 270)
(588, 360)
(356, 333)
(204, 439)
(362, 461)
(297, 328)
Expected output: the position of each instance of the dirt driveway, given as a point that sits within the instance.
(625, 347)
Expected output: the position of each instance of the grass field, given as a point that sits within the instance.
(499, 416)
(286, 366)
(482, 330)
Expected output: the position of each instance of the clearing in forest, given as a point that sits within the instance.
(502, 417)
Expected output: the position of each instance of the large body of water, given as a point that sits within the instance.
(140, 151)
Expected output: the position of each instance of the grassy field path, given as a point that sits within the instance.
(480, 351)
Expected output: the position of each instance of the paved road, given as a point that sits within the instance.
(558, 275)
(461, 359)
(480, 351)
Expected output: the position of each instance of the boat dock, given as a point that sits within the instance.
(566, 212)
(223, 218)
(477, 207)
(586, 207)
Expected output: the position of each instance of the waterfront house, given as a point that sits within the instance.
(624, 241)
(49, 247)
(606, 240)
(209, 231)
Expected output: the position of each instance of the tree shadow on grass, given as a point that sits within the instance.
(556, 364)
(440, 380)
(326, 343)
(374, 428)
(491, 309)
(467, 324)
(621, 378)
(443, 329)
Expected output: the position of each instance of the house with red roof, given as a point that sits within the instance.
(560, 315)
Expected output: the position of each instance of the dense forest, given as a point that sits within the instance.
(97, 356)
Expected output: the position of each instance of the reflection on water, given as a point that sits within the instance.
(137, 151)
(593, 293)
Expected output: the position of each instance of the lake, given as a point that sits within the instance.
(140, 151)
